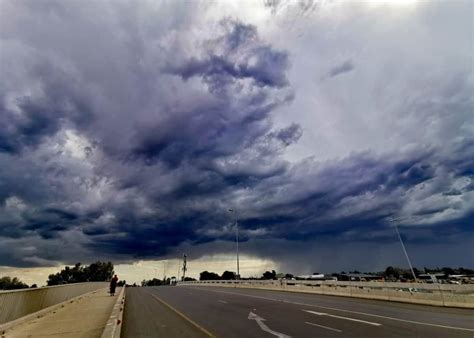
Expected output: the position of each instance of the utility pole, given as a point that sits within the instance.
(165, 263)
(394, 221)
(184, 267)
(236, 241)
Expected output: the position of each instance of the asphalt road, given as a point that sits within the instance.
(202, 311)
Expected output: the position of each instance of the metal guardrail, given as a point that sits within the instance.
(15, 304)
(433, 294)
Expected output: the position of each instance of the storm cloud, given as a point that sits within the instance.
(127, 132)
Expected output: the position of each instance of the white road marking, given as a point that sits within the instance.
(340, 317)
(264, 327)
(222, 301)
(341, 310)
(324, 327)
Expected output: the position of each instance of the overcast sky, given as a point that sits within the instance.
(128, 129)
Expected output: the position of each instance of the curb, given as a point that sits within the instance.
(41, 313)
(114, 324)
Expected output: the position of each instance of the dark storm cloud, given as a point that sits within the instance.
(134, 141)
(345, 67)
(35, 118)
(289, 135)
(237, 55)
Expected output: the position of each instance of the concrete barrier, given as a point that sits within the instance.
(114, 324)
(15, 304)
(449, 295)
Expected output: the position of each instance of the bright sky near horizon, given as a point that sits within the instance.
(128, 129)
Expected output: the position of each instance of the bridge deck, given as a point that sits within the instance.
(252, 313)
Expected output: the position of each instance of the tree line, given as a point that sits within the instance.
(229, 275)
(96, 272)
(8, 283)
(78, 273)
(103, 271)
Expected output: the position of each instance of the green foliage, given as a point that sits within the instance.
(8, 283)
(391, 272)
(96, 272)
(99, 271)
(228, 275)
(269, 275)
(152, 282)
(206, 275)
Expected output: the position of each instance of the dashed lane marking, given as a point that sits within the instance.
(324, 327)
(340, 317)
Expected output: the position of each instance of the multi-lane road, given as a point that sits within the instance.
(203, 311)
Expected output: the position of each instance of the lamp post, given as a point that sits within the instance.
(394, 221)
(184, 267)
(236, 241)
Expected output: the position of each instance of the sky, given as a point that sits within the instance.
(129, 129)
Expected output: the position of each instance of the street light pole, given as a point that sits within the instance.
(184, 267)
(236, 241)
(394, 221)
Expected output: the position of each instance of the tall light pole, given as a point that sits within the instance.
(184, 267)
(236, 240)
(394, 222)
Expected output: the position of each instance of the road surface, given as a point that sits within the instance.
(203, 311)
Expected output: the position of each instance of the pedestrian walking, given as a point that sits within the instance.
(113, 285)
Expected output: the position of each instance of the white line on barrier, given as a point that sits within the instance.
(342, 310)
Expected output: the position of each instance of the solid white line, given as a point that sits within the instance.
(346, 318)
(324, 327)
(222, 301)
(348, 311)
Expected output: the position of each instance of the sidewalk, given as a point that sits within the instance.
(85, 317)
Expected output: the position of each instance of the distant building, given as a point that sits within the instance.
(359, 277)
(314, 276)
(432, 277)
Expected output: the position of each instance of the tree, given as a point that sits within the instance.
(8, 283)
(99, 271)
(464, 271)
(96, 272)
(269, 275)
(407, 275)
(416, 271)
(228, 275)
(206, 275)
(189, 279)
(390, 271)
(152, 282)
(448, 271)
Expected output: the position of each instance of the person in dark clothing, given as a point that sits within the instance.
(113, 285)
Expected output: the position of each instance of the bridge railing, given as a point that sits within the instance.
(420, 293)
(15, 304)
